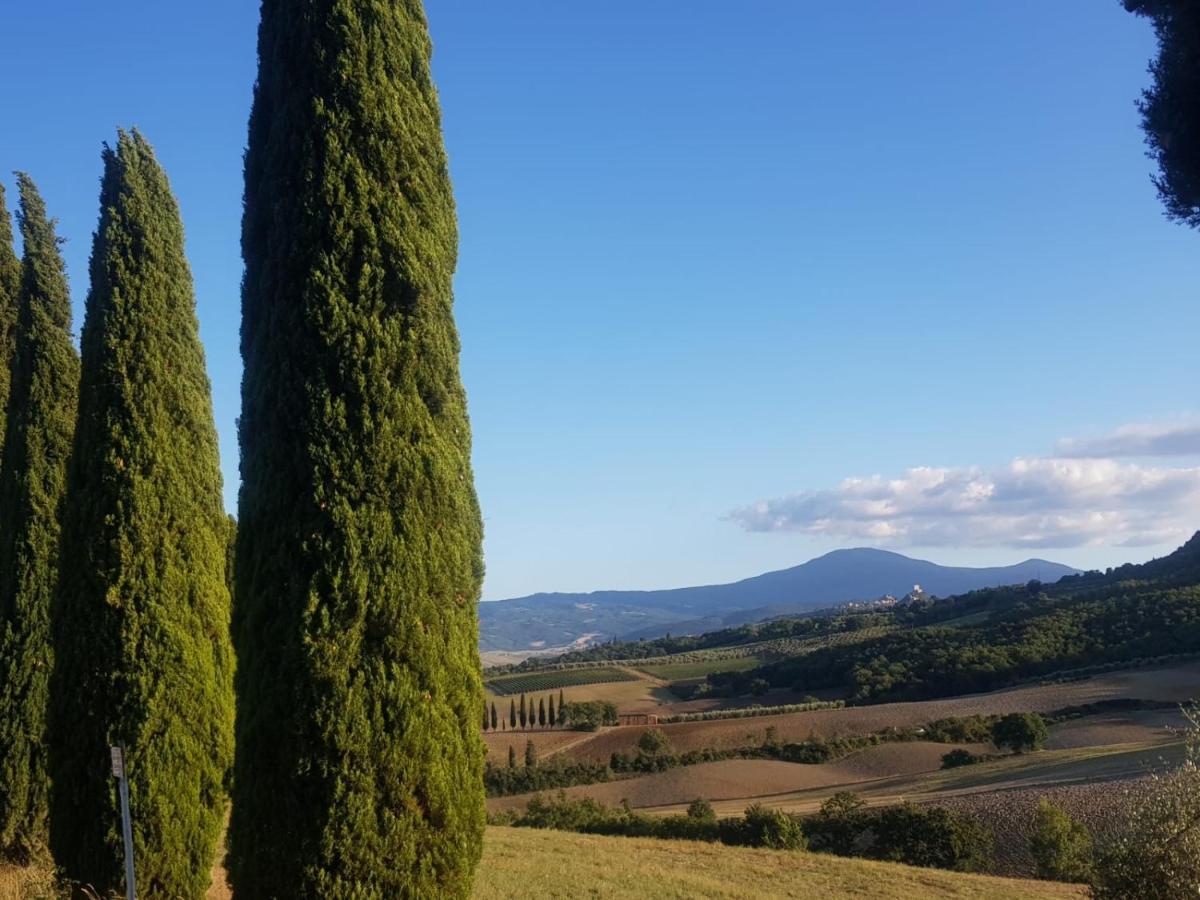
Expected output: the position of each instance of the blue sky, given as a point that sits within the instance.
(718, 259)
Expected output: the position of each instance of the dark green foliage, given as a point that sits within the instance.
(512, 757)
(44, 391)
(551, 717)
(587, 715)
(774, 829)
(1091, 620)
(1171, 106)
(530, 754)
(957, 758)
(702, 810)
(1061, 847)
(359, 766)
(524, 715)
(512, 713)
(542, 712)
(840, 824)
(1020, 732)
(10, 282)
(494, 719)
(142, 613)
(930, 836)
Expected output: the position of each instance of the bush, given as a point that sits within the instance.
(587, 715)
(1020, 732)
(839, 826)
(771, 828)
(702, 810)
(931, 836)
(1061, 847)
(960, 757)
(654, 742)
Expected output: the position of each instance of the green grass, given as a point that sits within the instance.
(551, 681)
(519, 863)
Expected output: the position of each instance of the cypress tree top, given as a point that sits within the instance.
(10, 279)
(45, 376)
(142, 625)
(359, 560)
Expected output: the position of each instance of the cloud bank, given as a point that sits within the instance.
(1075, 498)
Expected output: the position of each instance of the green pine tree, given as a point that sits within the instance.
(512, 713)
(485, 716)
(542, 712)
(142, 621)
(10, 281)
(359, 767)
(494, 718)
(550, 717)
(45, 384)
(524, 715)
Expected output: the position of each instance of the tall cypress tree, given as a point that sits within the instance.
(10, 280)
(359, 766)
(142, 616)
(45, 383)
(542, 712)
(494, 718)
(524, 714)
(512, 713)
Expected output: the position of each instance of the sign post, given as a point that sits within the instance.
(118, 770)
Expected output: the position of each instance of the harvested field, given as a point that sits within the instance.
(1176, 684)
(547, 742)
(1102, 807)
(1125, 728)
(750, 778)
(643, 695)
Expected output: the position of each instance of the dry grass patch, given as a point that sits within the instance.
(521, 863)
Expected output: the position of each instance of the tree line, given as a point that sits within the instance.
(525, 715)
(349, 587)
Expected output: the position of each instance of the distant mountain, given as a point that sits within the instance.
(559, 620)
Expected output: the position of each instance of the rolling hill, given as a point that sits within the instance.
(559, 620)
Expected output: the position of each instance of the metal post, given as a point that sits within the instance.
(118, 763)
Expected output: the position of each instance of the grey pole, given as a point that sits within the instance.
(118, 761)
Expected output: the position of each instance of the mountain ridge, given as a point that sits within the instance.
(555, 619)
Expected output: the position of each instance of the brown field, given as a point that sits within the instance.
(521, 863)
(1176, 684)
(743, 779)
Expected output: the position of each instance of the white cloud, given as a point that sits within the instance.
(1029, 503)
(1181, 438)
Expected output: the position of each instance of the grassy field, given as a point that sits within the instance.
(522, 863)
(519, 863)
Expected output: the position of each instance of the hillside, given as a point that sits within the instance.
(522, 863)
(559, 620)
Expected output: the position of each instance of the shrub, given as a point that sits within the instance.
(1061, 847)
(931, 836)
(960, 757)
(771, 828)
(702, 810)
(1020, 732)
(840, 824)
(587, 715)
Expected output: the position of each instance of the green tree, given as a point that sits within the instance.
(654, 742)
(1170, 107)
(44, 391)
(524, 715)
(142, 641)
(10, 282)
(701, 810)
(359, 767)
(773, 828)
(1020, 732)
(1061, 847)
(485, 715)
(512, 713)
(512, 756)
(551, 717)
(530, 755)
(542, 712)
(495, 719)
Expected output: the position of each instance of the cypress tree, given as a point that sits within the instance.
(524, 715)
(44, 390)
(359, 768)
(494, 715)
(530, 755)
(10, 280)
(542, 712)
(512, 757)
(512, 713)
(485, 716)
(142, 616)
(560, 701)
(550, 716)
